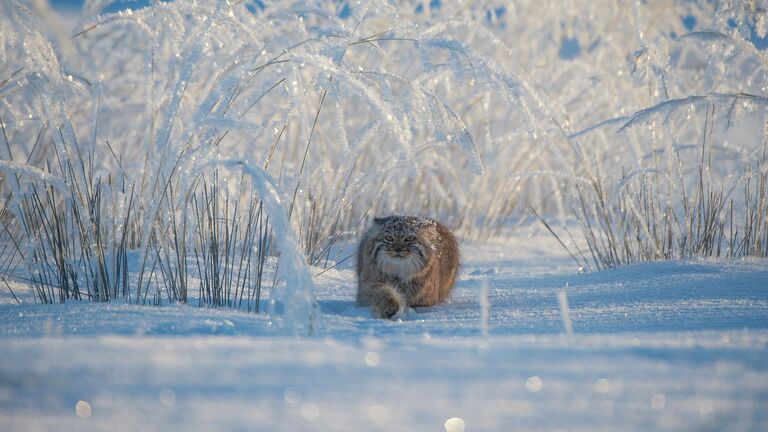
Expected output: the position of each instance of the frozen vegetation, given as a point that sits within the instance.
(182, 185)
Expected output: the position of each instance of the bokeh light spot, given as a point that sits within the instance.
(454, 424)
(534, 384)
(372, 359)
(602, 386)
(83, 409)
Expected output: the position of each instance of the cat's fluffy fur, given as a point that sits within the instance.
(405, 261)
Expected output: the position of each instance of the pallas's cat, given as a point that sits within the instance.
(405, 261)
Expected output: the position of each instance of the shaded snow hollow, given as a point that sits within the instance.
(668, 346)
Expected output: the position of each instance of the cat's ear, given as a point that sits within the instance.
(380, 220)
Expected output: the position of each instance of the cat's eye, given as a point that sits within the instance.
(410, 239)
(389, 238)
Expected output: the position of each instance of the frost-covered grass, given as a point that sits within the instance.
(206, 136)
(654, 215)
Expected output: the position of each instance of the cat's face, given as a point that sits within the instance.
(403, 245)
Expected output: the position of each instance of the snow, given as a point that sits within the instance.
(669, 346)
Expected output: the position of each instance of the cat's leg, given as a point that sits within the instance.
(383, 298)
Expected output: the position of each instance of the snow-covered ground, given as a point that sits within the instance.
(673, 346)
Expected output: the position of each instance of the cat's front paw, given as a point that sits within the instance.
(388, 308)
